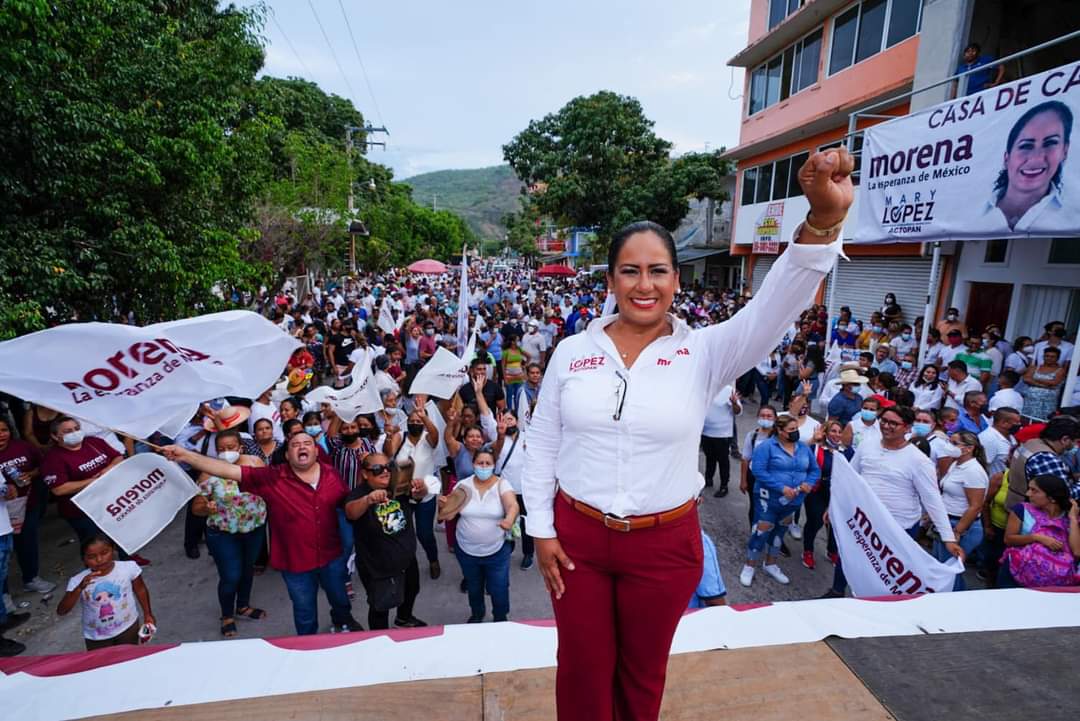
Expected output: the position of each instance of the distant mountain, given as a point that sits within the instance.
(481, 196)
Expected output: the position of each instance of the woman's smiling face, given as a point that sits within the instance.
(1038, 152)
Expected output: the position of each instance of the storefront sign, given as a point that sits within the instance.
(767, 229)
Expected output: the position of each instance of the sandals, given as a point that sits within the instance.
(251, 613)
(228, 628)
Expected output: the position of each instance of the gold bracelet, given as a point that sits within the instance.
(822, 232)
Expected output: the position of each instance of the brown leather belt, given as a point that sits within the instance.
(630, 523)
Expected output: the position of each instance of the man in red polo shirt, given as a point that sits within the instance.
(302, 497)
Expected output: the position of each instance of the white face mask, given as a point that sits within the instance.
(229, 456)
(73, 438)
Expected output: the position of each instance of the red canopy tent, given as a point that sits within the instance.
(428, 265)
(556, 270)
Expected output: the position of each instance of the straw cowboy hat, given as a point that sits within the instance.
(851, 376)
(298, 380)
(227, 417)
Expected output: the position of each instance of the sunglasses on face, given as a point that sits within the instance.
(378, 469)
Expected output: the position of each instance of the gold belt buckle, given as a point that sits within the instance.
(616, 524)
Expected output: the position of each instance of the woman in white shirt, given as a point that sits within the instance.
(927, 389)
(418, 448)
(611, 478)
(485, 506)
(864, 427)
(964, 489)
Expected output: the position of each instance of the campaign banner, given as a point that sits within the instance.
(134, 501)
(878, 556)
(137, 380)
(359, 397)
(444, 372)
(767, 229)
(990, 165)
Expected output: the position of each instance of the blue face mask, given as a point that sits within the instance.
(483, 473)
(764, 423)
(313, 430)
(876, 328)
(922, 430)
(906, 365)
(868, 416)
(906, 336)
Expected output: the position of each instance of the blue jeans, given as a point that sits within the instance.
(490, 572)
(345, 530)
(425, 529)
(26, 543)
(769, 513)
(969, 541)
(6, 545)
(303, 591)
(839, 581)
(235, 554)
(764, 386)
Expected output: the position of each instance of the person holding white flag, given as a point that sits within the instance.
(73, 463)
(904, 480)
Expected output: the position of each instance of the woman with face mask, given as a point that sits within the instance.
(418, 450)
(485, 506)
(890, 311)
(1022, 356)
(766, 419)
(964, 490)
(785, 471)
(313, 427)
(235, 532)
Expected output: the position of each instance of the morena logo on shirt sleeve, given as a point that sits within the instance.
(587, 363)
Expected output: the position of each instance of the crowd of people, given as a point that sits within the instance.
(972, 450)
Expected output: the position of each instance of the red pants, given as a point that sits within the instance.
(615, 621)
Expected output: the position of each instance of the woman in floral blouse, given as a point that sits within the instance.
(235, 533)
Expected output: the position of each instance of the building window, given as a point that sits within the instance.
(749, 183)
(789, 72)
(807, 55)
(773, 181)
(870, 26)
(1064, 251)
(764, 186)
(997, 250)
(780, 9)
(793, 187)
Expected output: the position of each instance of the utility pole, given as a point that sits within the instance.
(349, 145)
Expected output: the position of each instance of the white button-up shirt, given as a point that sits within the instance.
(647, 460)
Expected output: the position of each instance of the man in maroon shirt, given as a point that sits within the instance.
(302, 497)
(74, 461)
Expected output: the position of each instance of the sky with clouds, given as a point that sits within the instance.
(453, 82)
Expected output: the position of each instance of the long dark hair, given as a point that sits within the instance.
(1001, 185)
(1055, 489)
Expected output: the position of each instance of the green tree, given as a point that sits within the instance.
(597, 163)
(126, 163)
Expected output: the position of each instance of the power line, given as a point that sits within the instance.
(352, 93)
(299, 59)
(363, 70)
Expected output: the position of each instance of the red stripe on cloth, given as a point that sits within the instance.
(890, 598)
(538, 622)
(748, 606)
(67, 663)
(1057, 589)
(334, 640)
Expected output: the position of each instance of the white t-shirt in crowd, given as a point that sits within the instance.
(511, 464)
(1065, 347)
(1006, 398)
(948, 353)
(534, 344)
(905, 481)
(997, 448)
(750, 442)
(271, 413)
(968, 474)
(108, 603)
(959, 389)
(5, 518)
(807, 430)
(720, 417)
(860, 432)
(478, 531)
